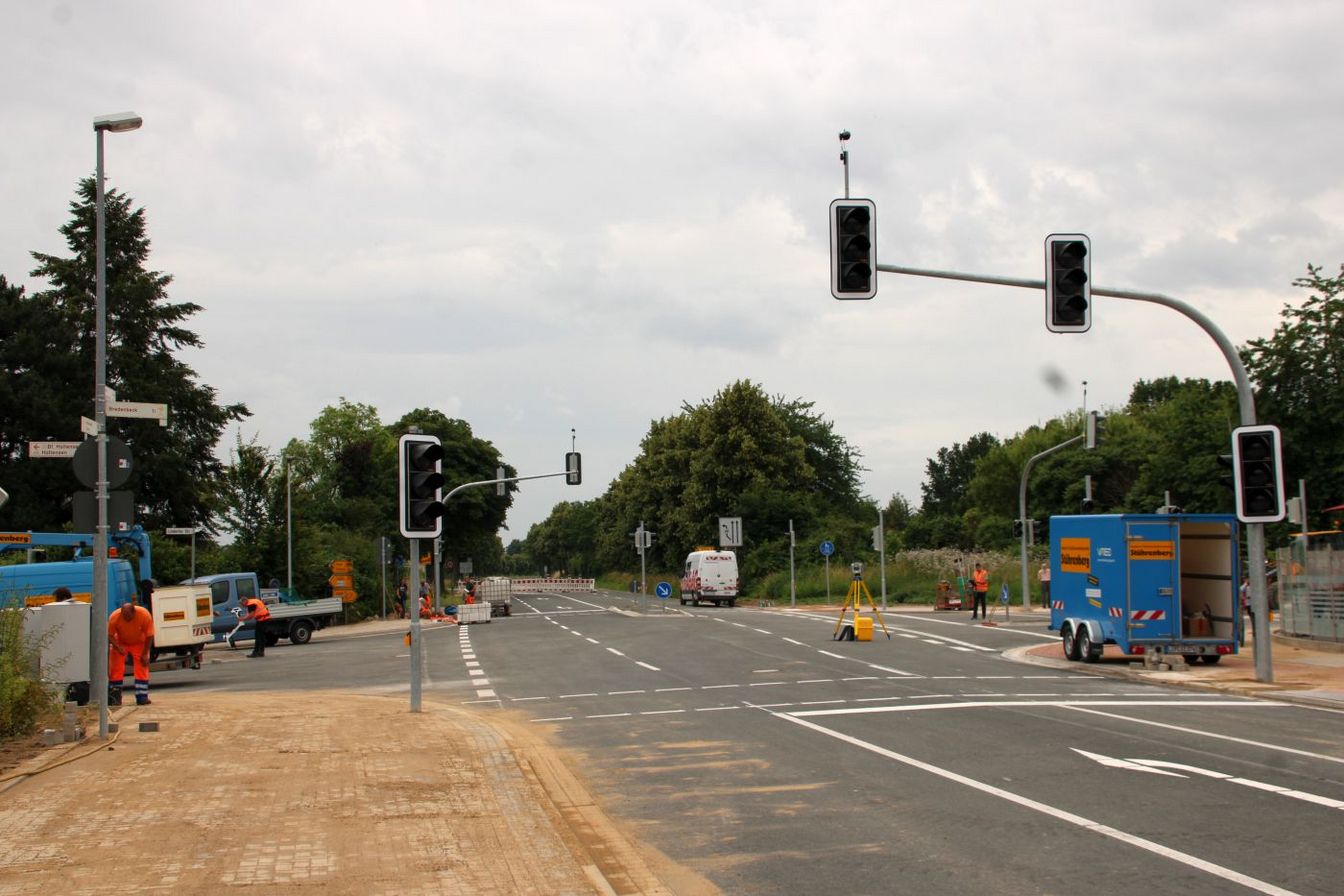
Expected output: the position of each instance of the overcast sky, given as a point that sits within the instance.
(538, 216)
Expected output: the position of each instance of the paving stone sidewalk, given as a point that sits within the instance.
(347, 795)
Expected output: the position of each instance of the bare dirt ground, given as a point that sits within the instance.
(304, 792)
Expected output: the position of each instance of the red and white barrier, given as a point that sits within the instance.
(537, 585)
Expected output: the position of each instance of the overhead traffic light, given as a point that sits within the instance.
(1257, 466)
(573, 468)
(1068, 291)
(420, 486)
(853, 249)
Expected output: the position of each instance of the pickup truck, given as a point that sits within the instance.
(292, 618)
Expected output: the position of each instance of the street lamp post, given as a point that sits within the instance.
(122, 121)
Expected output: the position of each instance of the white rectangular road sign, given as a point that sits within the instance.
(730, 531)
(180, 530)
(88, 427)
(52, 449)
(143, 409)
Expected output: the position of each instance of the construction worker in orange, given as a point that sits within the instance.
(130, 629)
(260, 614)
(980, 582)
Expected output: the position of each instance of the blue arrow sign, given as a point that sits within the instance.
(827, 549)
(663, 590)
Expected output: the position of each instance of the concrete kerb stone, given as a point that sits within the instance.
(1186, 679)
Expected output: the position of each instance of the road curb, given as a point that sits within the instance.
(1176, 679)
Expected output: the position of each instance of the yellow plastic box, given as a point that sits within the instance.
(863, 628)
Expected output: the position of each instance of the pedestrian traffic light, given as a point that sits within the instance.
(420, 486)
(1068, 292)
(1257, 468)
(853, 249)
(573, 468)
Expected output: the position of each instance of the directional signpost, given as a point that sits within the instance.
(342, 580)
(52, 449)
(143, 410)
(730, 531)
(186, 530)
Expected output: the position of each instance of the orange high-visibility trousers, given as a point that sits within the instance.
(116, 663)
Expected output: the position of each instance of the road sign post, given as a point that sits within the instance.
(186, 530)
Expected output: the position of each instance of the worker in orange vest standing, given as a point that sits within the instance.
(260, 614)
(980, 584)
(130, 630)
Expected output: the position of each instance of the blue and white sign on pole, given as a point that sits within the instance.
(827, 549)
(663, 590)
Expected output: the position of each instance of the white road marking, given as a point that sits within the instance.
(986, 704)
(1227, 737)
(647, 666)
(613, 650)
(1086, 823)
(1174, 769)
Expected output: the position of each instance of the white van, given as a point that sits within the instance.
(710, 576)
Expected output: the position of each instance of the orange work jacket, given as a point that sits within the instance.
(133, 632)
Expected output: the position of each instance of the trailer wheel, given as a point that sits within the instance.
(301, 632)
(1090, 652)
(1212, 658)
(1066, 635)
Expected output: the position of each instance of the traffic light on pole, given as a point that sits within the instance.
(853, 248)
(1068, 292)
(420, 486)
(573, 468)
(1257, 467)
(1017, 529)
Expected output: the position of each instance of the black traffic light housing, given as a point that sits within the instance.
(420, 486)
(573, 468)
(1068, 288)
(853, 248)
(1257, 469)
(1017, 528)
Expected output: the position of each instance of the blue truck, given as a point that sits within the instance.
(182, 614)
(1148, 583)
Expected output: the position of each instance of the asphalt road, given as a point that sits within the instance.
(750, 746)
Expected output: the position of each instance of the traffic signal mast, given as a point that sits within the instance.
(853, 252)
(1068, 298)
(1257, 471)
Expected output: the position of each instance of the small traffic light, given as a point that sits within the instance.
(1228, 464)
(1017, 528)
(1088, 505)
(420, 486)
(1257, 468)
(573, 468)
(853, 248)
(1093, 428)
(1068, 292)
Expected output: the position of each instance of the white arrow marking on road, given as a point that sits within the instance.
(1123, 763)
(1156, 766)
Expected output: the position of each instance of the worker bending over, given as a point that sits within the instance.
(130, 630)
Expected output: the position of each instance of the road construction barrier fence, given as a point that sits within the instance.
(535, 585)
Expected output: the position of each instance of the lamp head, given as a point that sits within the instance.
(118, 121)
